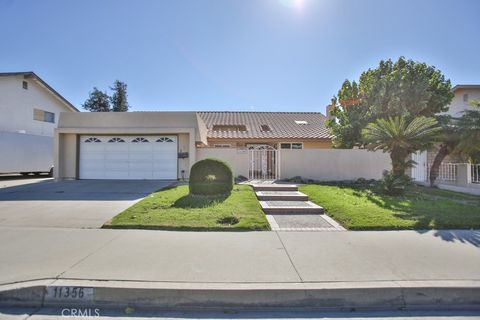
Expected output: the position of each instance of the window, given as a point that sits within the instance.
(222, 145)
(293, 145)
(45, 116)
(139, 139)
(465, 97)
(301, 122)
(92, 139)
(164, 139)
(221, 127)
(116, 140)
(25, 85)
(264, 128)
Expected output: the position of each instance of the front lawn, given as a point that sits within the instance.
(175, 209)
(359, 208)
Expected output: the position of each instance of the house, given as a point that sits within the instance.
(30, 110)
(455, 172)
(281, 130)
(164, 145)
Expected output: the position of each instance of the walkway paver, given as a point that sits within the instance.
(287, 209)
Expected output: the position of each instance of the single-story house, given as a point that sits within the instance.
(164, 145)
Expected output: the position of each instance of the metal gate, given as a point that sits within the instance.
(263, 162)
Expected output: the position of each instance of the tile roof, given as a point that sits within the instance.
(282, 125)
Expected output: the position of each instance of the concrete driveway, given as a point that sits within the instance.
(70, 204)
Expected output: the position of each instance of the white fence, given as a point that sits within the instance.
(447, 171)
(317, 164)
(475, 173)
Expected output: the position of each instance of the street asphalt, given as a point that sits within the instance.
(131, 314)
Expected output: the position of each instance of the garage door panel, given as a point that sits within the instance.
(113, 159)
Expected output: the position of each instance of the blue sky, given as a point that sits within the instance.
(260, 55)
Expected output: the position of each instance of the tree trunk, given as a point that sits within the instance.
(399, 158)
(444, 151)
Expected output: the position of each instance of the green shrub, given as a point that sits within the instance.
(211, 177)
(393, 185)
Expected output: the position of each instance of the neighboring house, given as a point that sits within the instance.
(30, 110)
(464, 94)
(453, 166)
(164, 145)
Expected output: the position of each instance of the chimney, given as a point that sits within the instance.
(329, 108)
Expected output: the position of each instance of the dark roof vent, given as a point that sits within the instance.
(264, 128)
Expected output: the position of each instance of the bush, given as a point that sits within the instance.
(211, 177)
(393, 185)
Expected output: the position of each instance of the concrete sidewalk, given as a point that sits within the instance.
(242, 257)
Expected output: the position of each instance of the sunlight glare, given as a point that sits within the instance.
(295, 4)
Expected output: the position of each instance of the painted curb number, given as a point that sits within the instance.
(69, 293)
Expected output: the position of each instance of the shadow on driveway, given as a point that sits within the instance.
(71, 204)
(87, 190)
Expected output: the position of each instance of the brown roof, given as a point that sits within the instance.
(281, 124)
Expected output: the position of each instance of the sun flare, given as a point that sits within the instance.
(296, 4)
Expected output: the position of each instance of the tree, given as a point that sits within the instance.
(119, 97)
(448, 139)
(459, 135)
(400, 138)
(403, 88)
(97, 101)
(349, 116)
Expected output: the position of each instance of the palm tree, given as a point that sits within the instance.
(449, 139)
(401, 138)
(459, 135)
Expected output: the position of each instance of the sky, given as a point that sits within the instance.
(249, 55)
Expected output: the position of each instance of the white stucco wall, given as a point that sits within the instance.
(458, 105)
(237, 158)
(333, 164)
(17, 104)
(317, 164)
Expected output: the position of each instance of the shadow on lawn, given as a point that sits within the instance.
(190, 201)
(422, 208)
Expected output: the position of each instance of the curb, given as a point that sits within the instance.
(331, 296)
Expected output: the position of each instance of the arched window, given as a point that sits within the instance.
(164, 139)
(116, 140)
(139, 139)
(93, 139)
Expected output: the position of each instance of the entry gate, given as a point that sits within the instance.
(420, 169)
(263, 162)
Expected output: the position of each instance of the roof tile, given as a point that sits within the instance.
(282, 124)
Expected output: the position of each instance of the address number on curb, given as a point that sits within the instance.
(69, 293)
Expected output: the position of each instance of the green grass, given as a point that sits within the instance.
(175, 209)
(359, 208)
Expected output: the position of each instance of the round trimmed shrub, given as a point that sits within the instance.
(211, 177)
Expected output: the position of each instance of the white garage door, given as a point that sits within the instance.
(128, 157)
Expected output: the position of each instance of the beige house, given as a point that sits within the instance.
(164, 145)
